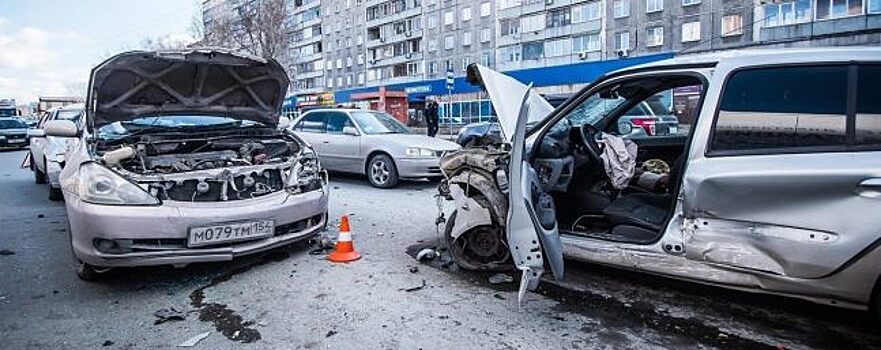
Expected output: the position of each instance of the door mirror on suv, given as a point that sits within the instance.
(350, 130)
(61, 128)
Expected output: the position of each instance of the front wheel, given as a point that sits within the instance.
(39, 176)
(482, 248)
(381, 172)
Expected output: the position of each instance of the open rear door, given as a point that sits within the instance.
(531, 222)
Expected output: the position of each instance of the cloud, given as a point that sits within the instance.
(32, 64)
(3, 21)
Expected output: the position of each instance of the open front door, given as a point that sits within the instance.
(532, 222)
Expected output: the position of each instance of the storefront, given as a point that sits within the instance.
(465, 103)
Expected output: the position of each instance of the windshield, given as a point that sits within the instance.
(69, 114)
(12, 124)
(172, 123)
(372, 123)
(593, 109)
(7, 112)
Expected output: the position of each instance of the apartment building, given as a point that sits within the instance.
(306, 54)
(795, 23)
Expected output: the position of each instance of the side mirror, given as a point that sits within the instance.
(284, 123)
(36, 133)
(61, 128)
(350, 130)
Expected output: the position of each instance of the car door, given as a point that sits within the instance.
(312, 129)
(38, 144)
(531, 239)
(342, 150)
(787, 179)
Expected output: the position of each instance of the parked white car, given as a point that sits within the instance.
(47, 153)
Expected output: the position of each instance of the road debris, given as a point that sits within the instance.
(415, 288)
(500, 278)
(414, 269)
(6, 252)
(107, 343)
(330, 333)
(189, 343)
(380, 233)
(426, 253)
(169, 314)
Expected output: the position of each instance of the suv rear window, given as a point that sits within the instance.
(782, 109)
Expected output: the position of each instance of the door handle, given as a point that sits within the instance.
(325, 141)
(870, 188)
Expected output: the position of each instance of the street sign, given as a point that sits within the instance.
(450, 79)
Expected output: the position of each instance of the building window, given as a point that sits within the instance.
(432, 22)
(510, 53)
(339, 81)
(586, 12)
(874, 6)
(559, 18)
(349, 61)
(360, 78)
(533, 50)
(509, 26)
(786, 13)
(339, 64)
(466, 13)
(532, 23)
(485, 35)
(691, 31)
(732, 25)
(465, 62)
(349, 80)
(432, 68)
(360, 58)
(466, 38)
(654, 5)
(622, 41)
(449, 42)
(838, 8)
(586, 43)
(486, 59)
(432, 45)
(621, 8)
(560, 47)
(448, 18)
(690, 2)
(654, 36)
(485, 9)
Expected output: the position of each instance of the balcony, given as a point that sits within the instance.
(388, 61)
(308, 75)
(416, 11)
(394, 38)
(307, 58)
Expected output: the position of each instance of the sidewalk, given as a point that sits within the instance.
(442, 133)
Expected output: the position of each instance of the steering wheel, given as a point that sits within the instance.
(590, 145)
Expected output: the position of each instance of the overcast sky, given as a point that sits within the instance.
(47, 47)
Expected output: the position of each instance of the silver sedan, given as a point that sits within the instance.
(372, 143)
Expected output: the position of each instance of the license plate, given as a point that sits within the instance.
(230, 232)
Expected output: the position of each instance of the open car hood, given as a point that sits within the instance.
(198, 81)
(507, 96)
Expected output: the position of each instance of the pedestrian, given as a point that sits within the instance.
(431, 117)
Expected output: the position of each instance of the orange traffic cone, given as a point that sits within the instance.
(344, 251)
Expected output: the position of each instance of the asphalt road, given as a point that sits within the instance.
(290, 299)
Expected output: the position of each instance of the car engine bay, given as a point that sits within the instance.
(214, 167)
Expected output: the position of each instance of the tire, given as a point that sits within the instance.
(875, 308)
(466, 260)
(381, 171)
(55, 194)
(39, 176)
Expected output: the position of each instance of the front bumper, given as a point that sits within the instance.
(418, 167)
(159, 233)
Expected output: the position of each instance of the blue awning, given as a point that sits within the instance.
(577, 73)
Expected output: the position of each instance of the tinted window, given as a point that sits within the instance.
(12, 124)
(782, 108)
(312, 122)
(336, 122)
(868, 119)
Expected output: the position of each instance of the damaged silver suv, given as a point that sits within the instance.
(770, 183)
(182, 160)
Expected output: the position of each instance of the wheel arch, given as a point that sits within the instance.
(374, 153)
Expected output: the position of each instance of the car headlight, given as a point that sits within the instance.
(2, 137)
(305, 173)
(420, 152)
(99, 185)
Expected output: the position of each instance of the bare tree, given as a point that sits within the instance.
(258, 27)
